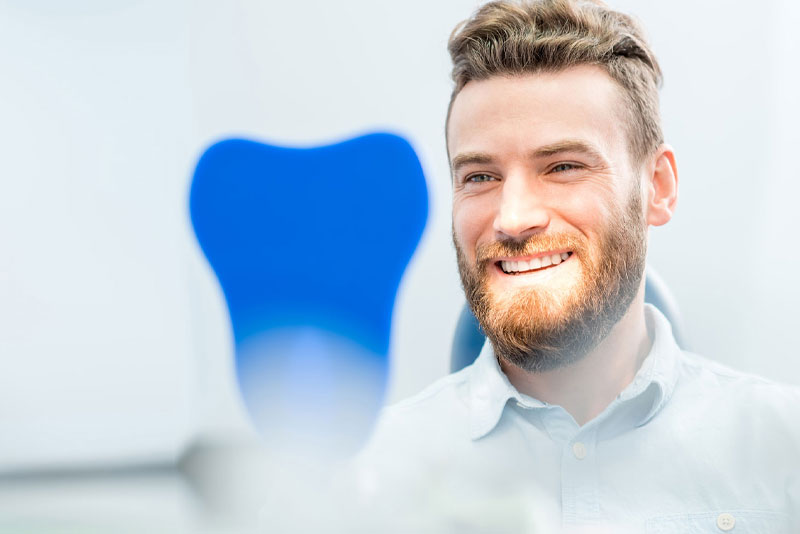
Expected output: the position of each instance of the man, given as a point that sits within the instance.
(559, 168)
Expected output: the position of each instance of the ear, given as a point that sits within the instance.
(661, 187)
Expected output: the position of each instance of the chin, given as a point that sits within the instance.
(521, 308)
(540, 301)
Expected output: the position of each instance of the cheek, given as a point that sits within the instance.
(588, 211)
(470, 221)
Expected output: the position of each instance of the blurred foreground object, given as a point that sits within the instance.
(309, 246)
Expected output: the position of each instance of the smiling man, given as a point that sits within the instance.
(559, 168)
(549, 222)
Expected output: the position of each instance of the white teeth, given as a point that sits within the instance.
(534, 264)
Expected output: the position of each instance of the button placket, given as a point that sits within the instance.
(580, 494)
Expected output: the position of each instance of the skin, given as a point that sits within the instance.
(549, 153)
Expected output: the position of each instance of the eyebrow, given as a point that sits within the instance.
(470, 158)
(567, 145)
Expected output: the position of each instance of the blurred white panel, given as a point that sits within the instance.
(128, 503)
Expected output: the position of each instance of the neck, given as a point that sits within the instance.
(587, 387)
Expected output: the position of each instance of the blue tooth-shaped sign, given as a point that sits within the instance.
(309, 246)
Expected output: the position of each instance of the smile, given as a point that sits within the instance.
(535, 264)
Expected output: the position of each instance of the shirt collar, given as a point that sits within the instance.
(490, 389)
(659, 369)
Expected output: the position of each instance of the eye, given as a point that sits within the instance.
(479, 178)
(563, 167)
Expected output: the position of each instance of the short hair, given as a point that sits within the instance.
(507, 37)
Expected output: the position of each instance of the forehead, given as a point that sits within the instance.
(509, 114)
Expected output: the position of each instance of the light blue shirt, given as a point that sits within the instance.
(689, 446)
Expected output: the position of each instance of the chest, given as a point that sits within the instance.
(669, 476)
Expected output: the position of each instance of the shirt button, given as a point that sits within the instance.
(726, 522)
(579, 450)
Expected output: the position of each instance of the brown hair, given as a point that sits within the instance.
(507, 37)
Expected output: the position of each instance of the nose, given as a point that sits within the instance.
(522, 210)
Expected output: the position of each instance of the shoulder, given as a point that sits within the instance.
(435, 417)
(726, 379)
(441, 403)
(412, 435)
(440, 393)
(706, 384)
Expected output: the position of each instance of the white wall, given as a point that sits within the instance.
(114, 344)
(96, 348)
(730, 109)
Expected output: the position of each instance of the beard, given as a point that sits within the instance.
(543, 328)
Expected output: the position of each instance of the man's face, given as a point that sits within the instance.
(547, 212)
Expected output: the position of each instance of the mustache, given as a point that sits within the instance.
(530, 245)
